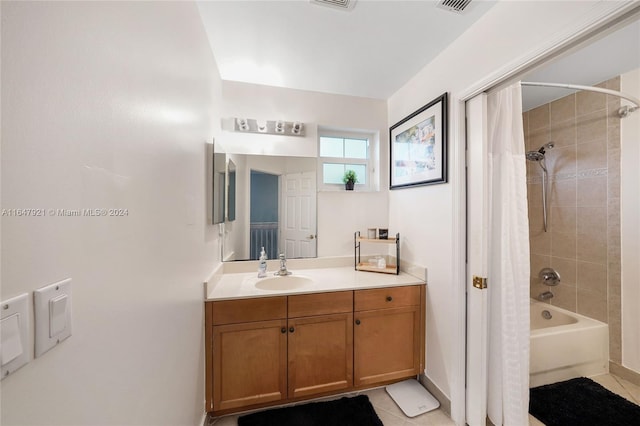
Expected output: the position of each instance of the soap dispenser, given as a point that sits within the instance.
(262, 267)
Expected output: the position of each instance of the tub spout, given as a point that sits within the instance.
(545, 296)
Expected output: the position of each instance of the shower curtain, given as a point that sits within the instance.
(508, 288)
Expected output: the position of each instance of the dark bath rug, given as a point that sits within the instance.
(581, 402)
(356, 411)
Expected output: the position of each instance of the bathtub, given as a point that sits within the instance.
(566, 346)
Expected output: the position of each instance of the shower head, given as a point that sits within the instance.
(546, 146)
(538, 155)
(535, 156)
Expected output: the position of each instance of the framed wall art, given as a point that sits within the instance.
(418, 147)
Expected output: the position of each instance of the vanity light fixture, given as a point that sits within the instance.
(296, 128)
(243, 124)
(266, 127)
(262, 125)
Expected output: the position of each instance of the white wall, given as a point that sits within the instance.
(630, 224)
(110, 105)
(507, 36)
(340, 213)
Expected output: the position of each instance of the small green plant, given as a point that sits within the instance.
(350, 176)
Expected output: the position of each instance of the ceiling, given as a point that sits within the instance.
(369, 51)
(375, 48)
(601, 60)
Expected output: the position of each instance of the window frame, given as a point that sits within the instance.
(368, 162)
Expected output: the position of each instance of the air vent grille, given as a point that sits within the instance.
(336, 4)
(457, 6)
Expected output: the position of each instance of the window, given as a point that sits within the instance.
(339, 153)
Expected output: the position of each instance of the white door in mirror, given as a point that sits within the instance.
(298, 212)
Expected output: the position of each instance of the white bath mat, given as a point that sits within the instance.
(412, 398)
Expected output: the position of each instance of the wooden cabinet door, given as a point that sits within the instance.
(320, 354)
(386, 345)
(249, 364)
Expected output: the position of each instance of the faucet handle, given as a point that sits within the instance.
(549, 277)
(283, 266)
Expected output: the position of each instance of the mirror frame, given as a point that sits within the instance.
(218, 189)
(231, 191)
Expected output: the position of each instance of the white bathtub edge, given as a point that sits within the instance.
(568, 351)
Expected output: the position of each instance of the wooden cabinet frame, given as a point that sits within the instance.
(320, 354)
(328, 328)
(387, 345)
(255, 357)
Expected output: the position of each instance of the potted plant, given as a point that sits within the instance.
(350, 178)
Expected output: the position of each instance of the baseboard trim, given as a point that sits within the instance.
(445, 403)
(625, 373)
(205, 419)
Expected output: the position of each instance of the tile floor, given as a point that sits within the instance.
(615, 384)
(391, 415)
(386, 409)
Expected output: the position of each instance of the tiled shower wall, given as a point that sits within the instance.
(583, 238)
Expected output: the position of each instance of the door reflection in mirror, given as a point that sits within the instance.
(275, 207)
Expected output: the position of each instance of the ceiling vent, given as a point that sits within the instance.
(457, 6)
(336, 4)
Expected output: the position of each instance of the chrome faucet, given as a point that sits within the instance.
(545, 296)
(283, 267)
(549, 276)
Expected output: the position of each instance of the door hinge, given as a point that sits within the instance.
(479, 282)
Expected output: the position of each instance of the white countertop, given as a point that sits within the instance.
(242, 285)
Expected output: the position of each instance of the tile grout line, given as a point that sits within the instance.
(389, 413)
(616, 378)
(629, 391)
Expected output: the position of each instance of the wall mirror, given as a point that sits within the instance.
(272, 204)
(231, 191)
(219, 185)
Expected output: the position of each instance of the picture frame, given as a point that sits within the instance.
(418, 147)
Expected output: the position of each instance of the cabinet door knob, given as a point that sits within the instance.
(283, 330)
(291, 330)
(389, 298)
(357, 322)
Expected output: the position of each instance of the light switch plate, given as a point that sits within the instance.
(52, 306)
(15, 342)
(58, 315)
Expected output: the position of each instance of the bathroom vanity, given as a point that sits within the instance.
(346, 330)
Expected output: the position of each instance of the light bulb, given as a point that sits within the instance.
(297, 128)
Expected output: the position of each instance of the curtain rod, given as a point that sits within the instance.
(622, 112)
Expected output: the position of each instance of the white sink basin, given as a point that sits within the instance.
(288, 282)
